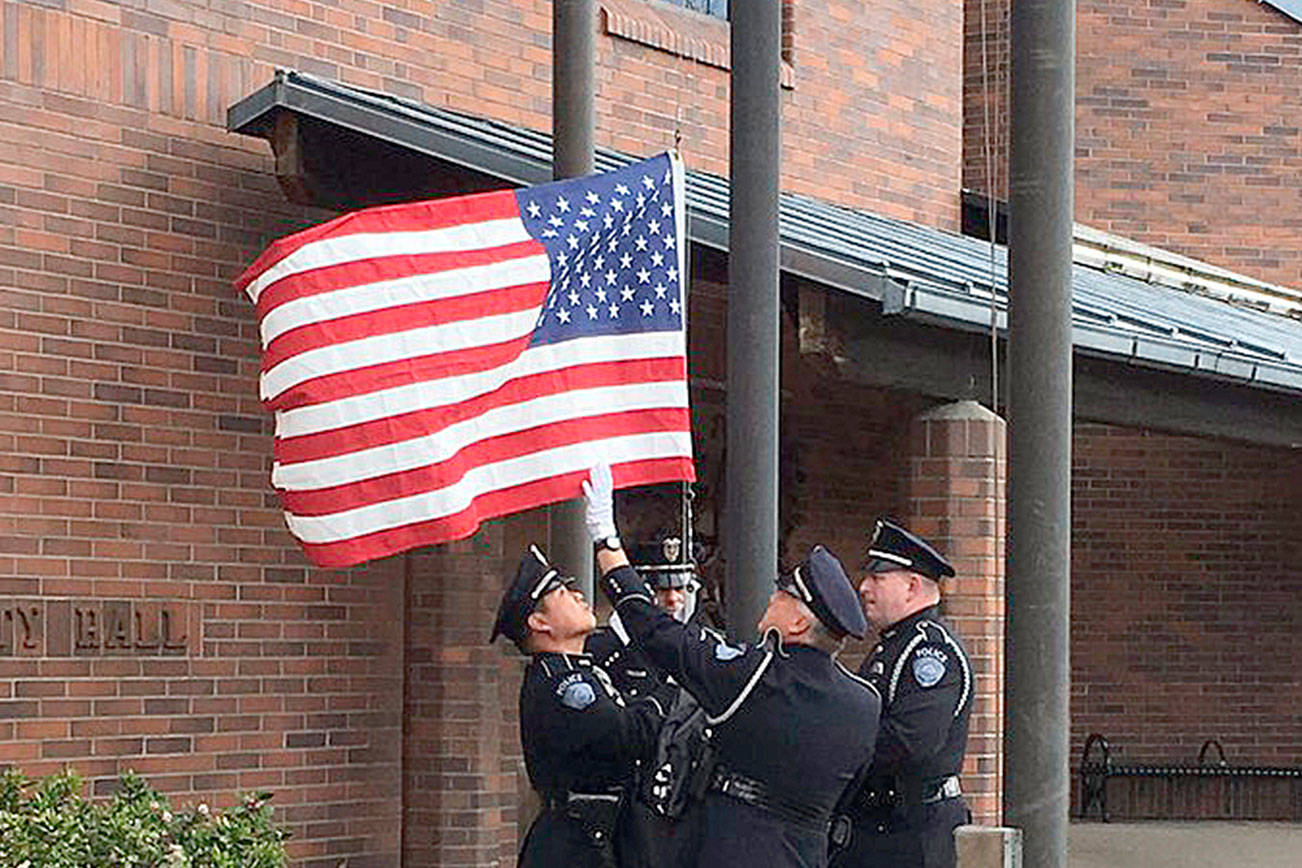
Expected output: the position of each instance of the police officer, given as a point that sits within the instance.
(906, 811)
(648, 834)
(581, 738)
(790, 726)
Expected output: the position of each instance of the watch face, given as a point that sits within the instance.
(613, 543)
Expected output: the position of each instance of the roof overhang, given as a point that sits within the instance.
(934, 278)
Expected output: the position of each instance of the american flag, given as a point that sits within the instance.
(436, 364)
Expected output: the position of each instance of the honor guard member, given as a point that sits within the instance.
(581, 739)
(789, 726)
(907, 809)
(657, 827)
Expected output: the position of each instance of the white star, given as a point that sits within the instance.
(549, 233)
(555, 221)
(592, 312)
(669, 239)
(610, 276)
(626, 260)
(562, 257)
(621, 189)
(599, 262)
(660, 290)
(627, 227)
(647, 308)
(644, 276)
(601, 295)
(585, 279)
(534, 211)
(666, 209)
(563, 315)
(574, 298)
(573, 242)
(647, 182)
(592, 198)
(562, 204)
(640, 243)
(672, 274)
(614, 242)
(614, 311)
(627, 293)
(641, 200)
(581, 225)
(654, 227)
(657, 258)
(607, 219)
(617, 204)
(674, 305)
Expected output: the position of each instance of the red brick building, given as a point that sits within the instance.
(157, 616)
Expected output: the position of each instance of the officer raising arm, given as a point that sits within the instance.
(581, 740)
(790, 726)
(906, 812)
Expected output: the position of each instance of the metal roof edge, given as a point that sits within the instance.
(913, 270)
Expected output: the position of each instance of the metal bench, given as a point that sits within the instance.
(1097, 767)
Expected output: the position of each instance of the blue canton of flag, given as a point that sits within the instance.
(614, 242)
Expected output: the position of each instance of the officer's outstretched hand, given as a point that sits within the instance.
(599, 493)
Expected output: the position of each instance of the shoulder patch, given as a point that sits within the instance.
(723, 652)
(578, 695)
(928, 669)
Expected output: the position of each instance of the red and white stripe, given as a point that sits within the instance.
(409, 407)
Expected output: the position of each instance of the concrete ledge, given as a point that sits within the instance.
(988, 846)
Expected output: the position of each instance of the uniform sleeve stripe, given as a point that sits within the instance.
(745, 691)
(899, 664)
(865, 682)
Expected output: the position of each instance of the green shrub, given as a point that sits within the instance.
(48, 824)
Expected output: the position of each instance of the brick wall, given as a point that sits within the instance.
(1186, 126)
(1185, 596)
(136, 455)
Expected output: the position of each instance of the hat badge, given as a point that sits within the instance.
(672, 547)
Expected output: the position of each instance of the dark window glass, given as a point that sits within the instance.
(717, 8)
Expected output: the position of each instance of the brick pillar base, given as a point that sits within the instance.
(956, 501)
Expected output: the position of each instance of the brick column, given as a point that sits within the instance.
(459, 803)
(956, 500)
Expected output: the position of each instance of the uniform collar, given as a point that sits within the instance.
(563, 660)
(904, 623)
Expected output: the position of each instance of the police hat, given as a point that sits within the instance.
(894, 548)
(662, 563)
(821, 584)
(534, 580)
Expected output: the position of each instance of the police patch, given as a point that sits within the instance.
(928, 671)
(578, 696)
(723, 652)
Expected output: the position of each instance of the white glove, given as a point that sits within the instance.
(599, 511)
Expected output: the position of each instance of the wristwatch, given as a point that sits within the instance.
(610, 543)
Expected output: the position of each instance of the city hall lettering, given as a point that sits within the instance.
(87, 628)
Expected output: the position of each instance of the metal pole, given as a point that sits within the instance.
(1036, 735)
(573, 125)
(751, 515)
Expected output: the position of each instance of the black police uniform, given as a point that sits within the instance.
(907, 809)
(645, 837)
(581, 745)
(581, 739)
(790, 726)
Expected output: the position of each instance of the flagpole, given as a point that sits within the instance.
(751, 516)
(573, 130)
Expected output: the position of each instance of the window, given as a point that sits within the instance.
(717, 8)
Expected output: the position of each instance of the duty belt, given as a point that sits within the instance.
(880, 795)
(760, 795)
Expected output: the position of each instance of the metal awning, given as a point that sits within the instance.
(912, 271)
